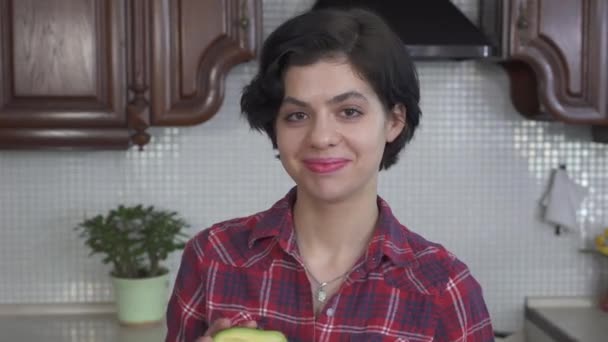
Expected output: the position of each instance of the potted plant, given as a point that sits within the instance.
(135, 240)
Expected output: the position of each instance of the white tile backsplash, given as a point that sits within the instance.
(471, 179)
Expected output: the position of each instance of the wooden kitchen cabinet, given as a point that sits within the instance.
(557, 59)
(98, 73)
(192, 53)
(62, 74)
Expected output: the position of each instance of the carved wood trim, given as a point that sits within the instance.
(67, 139)
(524, 90)
(138, 42)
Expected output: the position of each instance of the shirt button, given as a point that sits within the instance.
(330, 312)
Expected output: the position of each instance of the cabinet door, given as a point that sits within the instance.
(565, 45)
(194, 45)
(62, 70)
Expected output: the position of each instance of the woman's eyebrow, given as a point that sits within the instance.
(334, 100)
(345, 96)
(293, 100)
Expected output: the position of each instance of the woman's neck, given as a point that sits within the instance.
(334, 231)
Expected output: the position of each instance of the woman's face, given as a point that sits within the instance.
(331, 130)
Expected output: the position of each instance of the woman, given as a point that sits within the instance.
(338, 95)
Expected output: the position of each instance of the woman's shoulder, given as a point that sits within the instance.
(228, 241)
(433, 266)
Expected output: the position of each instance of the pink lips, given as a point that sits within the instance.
(325, 165)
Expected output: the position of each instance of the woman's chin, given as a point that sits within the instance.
(329, 194)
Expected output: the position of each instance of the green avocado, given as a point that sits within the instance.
(241, 334)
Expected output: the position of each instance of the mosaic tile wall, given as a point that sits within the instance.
(471, 179)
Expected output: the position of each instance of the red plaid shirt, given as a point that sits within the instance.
(404, 288)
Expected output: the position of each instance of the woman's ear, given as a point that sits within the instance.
(396, 122)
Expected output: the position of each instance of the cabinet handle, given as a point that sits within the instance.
(244, 20)
(522, 20)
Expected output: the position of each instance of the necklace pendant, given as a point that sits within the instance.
(321, 295)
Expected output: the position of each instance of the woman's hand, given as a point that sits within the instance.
(221, 324)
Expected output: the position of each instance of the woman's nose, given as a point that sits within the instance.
(324, 132)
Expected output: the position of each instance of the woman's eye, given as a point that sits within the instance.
(351, 113)
(298, 116)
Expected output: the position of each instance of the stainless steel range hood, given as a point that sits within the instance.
(431, 29)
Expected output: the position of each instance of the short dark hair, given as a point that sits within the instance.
(360, 36)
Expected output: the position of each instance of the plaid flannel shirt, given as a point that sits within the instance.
(404, 288)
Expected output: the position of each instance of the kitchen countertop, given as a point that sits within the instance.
(567, 319)
(61, 323)
(563, 319)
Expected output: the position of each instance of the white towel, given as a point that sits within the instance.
(562, 200)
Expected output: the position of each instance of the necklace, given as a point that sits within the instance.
(320, 293)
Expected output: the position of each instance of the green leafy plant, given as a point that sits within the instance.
(134, 239)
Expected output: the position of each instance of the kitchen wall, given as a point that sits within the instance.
(471, 179)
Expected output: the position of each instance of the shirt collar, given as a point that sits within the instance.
(390, 238)
(277, 222)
